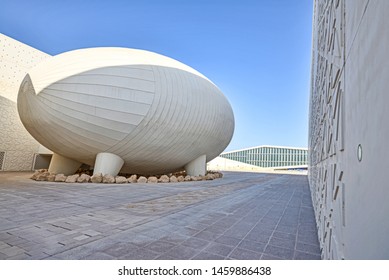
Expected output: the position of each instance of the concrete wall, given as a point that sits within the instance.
(348, 128)
(17, 147)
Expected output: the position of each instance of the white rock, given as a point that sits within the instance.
(132, 179)
(42, 176)
(120, 180)
(108, 179)
(187, 178)
(72, 178)
(164, 179)
(84, 178)
(142, 179)
(97, 178)
(193, 178)
(60, 178)
(180, 178)
(173, 179)
(152, 179)
(51, 177)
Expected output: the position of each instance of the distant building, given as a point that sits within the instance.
(270, 156)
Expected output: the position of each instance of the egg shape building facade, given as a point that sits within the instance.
(127, 110)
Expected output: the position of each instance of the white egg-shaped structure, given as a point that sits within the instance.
(127, 110)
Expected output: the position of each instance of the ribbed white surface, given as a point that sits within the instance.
(154, 112)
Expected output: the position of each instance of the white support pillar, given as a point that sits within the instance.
(107, 163)
(197, 167)
(63, 165)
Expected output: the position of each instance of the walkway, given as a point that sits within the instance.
(241, 216)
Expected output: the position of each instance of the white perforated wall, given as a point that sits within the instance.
(19, 147)
(348, 128)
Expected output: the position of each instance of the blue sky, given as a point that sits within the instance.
(256, 51)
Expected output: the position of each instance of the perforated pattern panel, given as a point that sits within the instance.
(2, 159)
(16, 59)
(326, 143)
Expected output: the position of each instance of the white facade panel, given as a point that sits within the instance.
(348, 128)
(16, 143)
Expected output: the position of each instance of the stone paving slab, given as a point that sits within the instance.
(241, 216)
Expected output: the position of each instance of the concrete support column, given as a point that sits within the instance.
(197, 167)
(107, 163)
(63, 165)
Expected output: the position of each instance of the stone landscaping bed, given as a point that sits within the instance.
(45, 175)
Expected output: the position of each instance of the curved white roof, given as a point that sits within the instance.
(83, 60)
(154, 112)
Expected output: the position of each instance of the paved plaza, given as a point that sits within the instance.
(241, 216)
